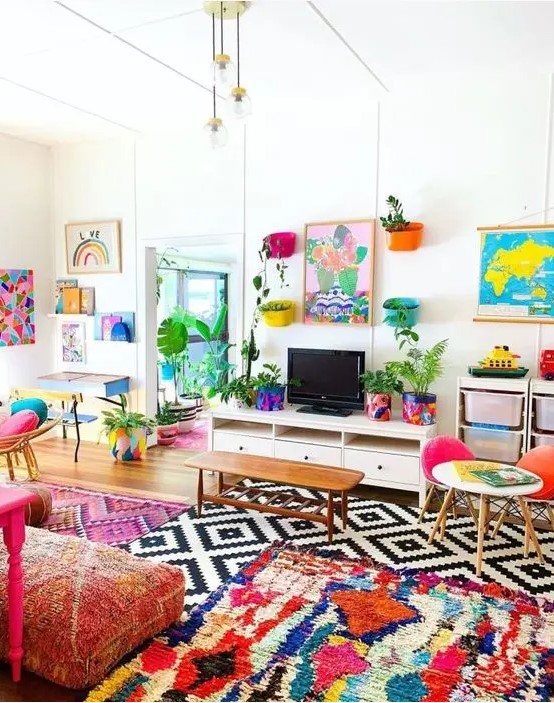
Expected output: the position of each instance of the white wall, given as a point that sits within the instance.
(459, 155)
(26, 241)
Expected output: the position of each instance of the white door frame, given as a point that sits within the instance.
(147, 306)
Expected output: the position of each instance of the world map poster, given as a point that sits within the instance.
(516, 278)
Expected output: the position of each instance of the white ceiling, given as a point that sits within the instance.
(80, 69)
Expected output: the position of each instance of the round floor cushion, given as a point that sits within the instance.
(40, 507)
(37, 405)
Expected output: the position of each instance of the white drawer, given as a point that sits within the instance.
(389, 468)
(232, 442)
(310, 453)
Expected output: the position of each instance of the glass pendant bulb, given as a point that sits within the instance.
(223, 70)
(216, 132)
(239, 103)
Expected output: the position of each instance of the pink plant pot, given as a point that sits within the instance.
(379, 406)
(167, 434)
(281, 244)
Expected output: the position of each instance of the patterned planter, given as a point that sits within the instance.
(125, 446)
(419, 409)
(167, 434)
(270, 398)
(379, 406)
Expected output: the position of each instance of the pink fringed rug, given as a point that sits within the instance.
(196, 439)
(109, 518)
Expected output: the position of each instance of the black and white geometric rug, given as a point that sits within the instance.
(213, 548)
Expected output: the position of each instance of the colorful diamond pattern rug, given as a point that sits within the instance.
(302, 626)
(106, 517)
(212, 549)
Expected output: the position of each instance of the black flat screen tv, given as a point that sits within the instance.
(329, 380)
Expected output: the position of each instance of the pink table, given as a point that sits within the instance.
(12, 522)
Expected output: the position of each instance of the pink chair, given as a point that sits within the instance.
(436, 451)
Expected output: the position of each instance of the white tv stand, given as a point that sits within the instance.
(387, 452)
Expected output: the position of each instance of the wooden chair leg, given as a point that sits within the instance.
(483, 518)
(428, 499)
(10, 466)
(550, 513)
(499, 522)
(526, 541)
(440, 517)
(442, 530)
(472, 510)
(529, 525)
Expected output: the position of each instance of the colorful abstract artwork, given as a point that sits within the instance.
(73, 342)
(304, 626)
(17, 307)
(339, 272)
(93, 247)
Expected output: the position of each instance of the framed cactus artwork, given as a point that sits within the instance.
(338, 273)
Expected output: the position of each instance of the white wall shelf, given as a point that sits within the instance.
(387, 452)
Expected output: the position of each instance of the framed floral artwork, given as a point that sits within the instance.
(338, 273)
(93, 247)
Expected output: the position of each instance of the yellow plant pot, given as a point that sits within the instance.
(279, 318)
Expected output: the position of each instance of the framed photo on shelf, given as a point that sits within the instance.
(93, 247)
(338, 272)
(516, 274)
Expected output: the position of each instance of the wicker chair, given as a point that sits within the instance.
(18, 449)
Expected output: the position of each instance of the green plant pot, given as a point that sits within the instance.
(391, 314)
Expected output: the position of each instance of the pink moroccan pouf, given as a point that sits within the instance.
(86, 605)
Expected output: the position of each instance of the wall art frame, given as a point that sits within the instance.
(516, 274)
(338, 271)
(93, 247)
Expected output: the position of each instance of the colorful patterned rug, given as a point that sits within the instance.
(196, 439)
(300, 626)
(106, 517)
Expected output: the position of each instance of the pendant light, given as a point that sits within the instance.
(239, 103)
(223, 69)
(215, 130)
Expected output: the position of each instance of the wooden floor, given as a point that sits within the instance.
(160, 474)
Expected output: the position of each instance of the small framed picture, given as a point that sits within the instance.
(73, 342)
(93, 247)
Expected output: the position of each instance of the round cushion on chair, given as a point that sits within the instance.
(40, 507)
(540, 461)
(37, 405)
(21, 422)
(440, 449)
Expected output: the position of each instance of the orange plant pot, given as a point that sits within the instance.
(407, 240)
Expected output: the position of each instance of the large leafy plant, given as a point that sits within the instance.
(382, 381)
(270, 377)
(394, 221)
(172, 344)
(421, 368)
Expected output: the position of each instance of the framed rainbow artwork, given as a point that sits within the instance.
(93, 247)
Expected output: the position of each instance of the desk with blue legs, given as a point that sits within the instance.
(78, 384)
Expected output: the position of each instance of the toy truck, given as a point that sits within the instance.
(546, 364)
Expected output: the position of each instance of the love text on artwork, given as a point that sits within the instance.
(92, 234)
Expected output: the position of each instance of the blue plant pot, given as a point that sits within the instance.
(166, 372)
(270, 398)
(412, 311)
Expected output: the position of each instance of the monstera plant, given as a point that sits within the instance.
(172, 344)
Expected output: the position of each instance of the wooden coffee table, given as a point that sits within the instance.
(280, 471)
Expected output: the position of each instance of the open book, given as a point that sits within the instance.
(504, 477)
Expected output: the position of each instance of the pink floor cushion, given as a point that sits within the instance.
(19, 423)
(441, 449)
(540, 461)
(86, 605)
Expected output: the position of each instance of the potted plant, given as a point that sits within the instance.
(277, 313)
(126, 432)
(379, 387)
(401, 312)
(192, 390)
(239, 392)
(270, 389)
(172, 344)
(402, 235)
(167, 425)
(420, 370)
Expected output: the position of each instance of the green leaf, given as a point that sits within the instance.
(172, 337)
(348, 279)
(361, 253)
(203, 330)
(220, 321)
(325, 279)
(257, 281)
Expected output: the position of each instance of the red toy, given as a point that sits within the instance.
(546, 364)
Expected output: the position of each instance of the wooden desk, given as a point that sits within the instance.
(12, 522)
(293, 473)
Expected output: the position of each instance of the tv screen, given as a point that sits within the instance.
(327, 377)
